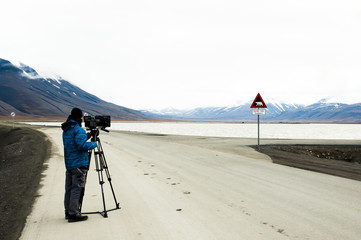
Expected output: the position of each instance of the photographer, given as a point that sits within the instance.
(76, 162)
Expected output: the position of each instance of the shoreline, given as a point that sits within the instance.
(324, 132)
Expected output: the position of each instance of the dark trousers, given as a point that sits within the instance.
(74, 187)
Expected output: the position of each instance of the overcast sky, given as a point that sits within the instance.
(163, 53)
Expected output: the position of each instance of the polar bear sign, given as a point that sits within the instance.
(258, 102)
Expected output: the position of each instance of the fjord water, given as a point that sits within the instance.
(247, 130)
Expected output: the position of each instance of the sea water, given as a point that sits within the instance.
(246, 130)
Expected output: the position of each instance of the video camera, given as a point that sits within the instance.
(97, 121)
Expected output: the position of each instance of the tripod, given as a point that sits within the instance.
(100, 164)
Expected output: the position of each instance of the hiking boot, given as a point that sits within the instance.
(77, 218)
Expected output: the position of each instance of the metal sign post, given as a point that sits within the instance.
(258, 129)
(13, 116)
(258, 103)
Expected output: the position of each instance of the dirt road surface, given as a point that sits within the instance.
(174, 187)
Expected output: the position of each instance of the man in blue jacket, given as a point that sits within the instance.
(76, 162)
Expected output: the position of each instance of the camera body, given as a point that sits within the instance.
(97, 121)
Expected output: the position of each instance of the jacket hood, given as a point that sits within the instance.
(68, 124)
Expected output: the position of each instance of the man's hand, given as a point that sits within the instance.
(89, 135)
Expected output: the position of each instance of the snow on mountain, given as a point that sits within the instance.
(225, 113)
(324, 111)
(31, 73)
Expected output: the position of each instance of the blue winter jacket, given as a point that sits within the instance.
(75, 145)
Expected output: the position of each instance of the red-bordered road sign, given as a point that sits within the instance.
(258, 102)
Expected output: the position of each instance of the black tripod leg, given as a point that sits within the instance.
(99, 168)
(105, 166)
(110, 182)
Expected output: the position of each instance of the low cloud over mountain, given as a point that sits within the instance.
(25, 92)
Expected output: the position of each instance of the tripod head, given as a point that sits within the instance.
(94, 133)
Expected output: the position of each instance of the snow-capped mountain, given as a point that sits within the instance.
(228, 113)
(325, 112)
(25, 92)
(276, 111)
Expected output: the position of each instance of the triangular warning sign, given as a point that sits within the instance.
(258, 102)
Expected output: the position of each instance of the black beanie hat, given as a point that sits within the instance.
(76, 113)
